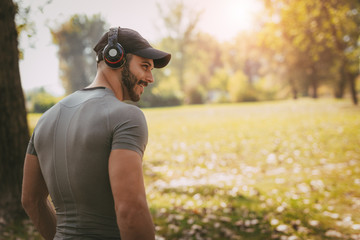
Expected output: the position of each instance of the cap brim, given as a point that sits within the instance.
(161, 59)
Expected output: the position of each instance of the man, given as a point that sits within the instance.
(86, 151)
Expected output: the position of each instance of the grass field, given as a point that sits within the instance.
(275, 170)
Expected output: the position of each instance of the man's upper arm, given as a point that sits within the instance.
(34, 186)
(126, 177)
(130, 131)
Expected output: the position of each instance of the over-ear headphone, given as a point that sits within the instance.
(114, 54)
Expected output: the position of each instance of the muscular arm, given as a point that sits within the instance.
(34, 198)
(127, 184)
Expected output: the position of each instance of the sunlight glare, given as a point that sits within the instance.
(241, 13)
(227, 19)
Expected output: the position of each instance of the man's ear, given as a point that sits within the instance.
(128, 57)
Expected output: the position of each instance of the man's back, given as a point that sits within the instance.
(73, 141)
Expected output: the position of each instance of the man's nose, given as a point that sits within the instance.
(149, 77)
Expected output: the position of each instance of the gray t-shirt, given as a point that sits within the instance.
(73, 141)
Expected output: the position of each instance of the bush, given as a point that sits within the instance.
(42, 102)
(159, 101)
(39, 100)
(161, 94)
(195, 95)
(240, 90)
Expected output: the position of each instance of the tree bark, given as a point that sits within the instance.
(351, 79)
(352, 83)
(293, 88)
(314, 82)
(341, 84)
(340, 88)
(314, 88)
(14, 133)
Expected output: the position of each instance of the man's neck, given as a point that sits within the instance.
(107, 78)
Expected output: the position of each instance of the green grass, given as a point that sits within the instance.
(273, 170)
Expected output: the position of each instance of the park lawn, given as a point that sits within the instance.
(271, 170)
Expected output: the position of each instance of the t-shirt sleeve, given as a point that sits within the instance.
(31, 148)
(131, 132)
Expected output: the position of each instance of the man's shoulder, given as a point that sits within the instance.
(125, 109)
(82, 96)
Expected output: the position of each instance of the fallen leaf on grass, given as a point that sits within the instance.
(225, 219)
(282, 228)
(356, 227)
(314, 223)
(333, 233)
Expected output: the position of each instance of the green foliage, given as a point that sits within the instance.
(204, 63)
(179, 23)
(23, 25)
(164, 92)
(307, 38)
(40, 101)
(305, 46)
(219, 80)
(266, 90)
(239, 88)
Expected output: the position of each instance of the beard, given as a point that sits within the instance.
(129, 80)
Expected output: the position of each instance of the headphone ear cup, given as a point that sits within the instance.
(114, 55)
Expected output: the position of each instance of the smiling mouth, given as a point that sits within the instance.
(143, 83)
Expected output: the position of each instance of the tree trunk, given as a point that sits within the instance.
(14, 133)
(314, 86)
(304, 86)
(249, 71)
(352, 83)
(351, 78)
(340, 86)
(182, 67)
(314, 82)
(293, 88)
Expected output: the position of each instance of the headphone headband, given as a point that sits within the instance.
(113, 34)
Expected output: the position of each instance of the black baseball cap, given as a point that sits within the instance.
(134, 43)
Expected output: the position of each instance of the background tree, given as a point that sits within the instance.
(322, 35)
(344, 28)
(75, 39)
(180, 24)
(205, 60)
(243, 59)
(243, 53)
(14, 131)
(165, 91)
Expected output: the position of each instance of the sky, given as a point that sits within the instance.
(39, 68)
